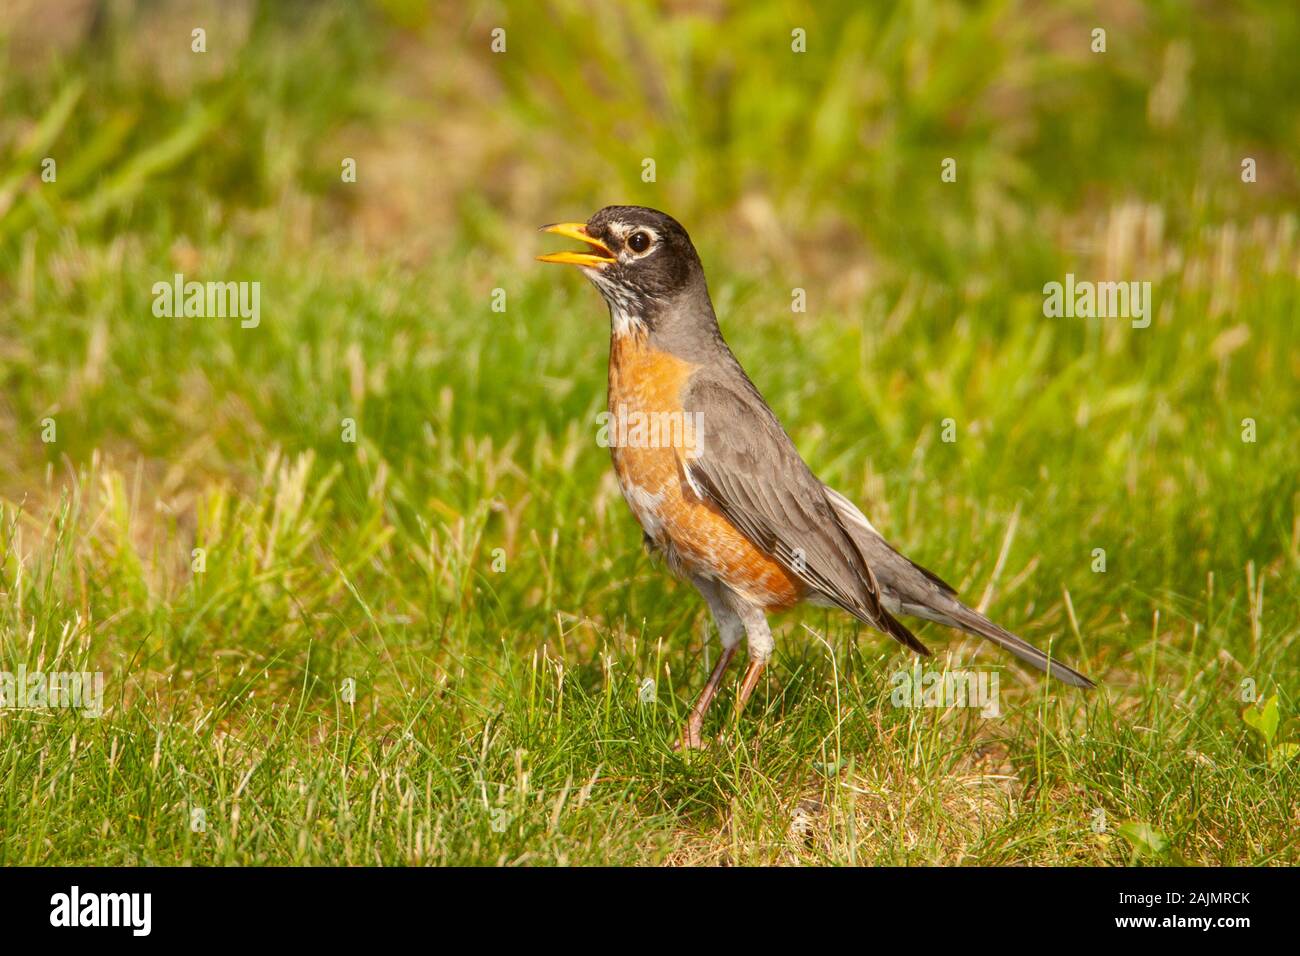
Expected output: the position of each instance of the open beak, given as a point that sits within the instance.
(597, 256)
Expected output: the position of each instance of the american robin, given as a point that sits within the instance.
(714, 480)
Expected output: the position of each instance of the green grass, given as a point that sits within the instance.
(498, 714)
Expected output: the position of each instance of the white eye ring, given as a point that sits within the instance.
(639, 241)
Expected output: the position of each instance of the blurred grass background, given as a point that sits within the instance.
(514, 696)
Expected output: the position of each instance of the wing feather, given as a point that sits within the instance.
(747, 467)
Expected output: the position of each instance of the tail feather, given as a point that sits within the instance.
(907, 587)
(973, 622)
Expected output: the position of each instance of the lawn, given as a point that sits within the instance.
(359, 579)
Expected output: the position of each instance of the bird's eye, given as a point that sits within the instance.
(639, 242)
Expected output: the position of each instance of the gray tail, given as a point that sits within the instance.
(973, 622)
(924, 594)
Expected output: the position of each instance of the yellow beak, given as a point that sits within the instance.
(578, 230)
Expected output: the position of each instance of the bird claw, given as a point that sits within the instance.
(694, 740)
(691, 739)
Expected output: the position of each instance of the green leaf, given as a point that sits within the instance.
(1282, 754)
(1263, 719)
(1145, 839)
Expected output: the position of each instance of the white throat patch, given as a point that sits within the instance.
(623, 320)
(624, 323)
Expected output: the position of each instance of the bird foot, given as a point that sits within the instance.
(691, 739)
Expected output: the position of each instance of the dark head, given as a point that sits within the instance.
(640, 259)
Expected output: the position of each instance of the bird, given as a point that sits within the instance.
(718, 486)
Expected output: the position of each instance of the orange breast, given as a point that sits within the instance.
(651, 439)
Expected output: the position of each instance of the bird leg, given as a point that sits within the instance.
(747, 685)
(691, 734)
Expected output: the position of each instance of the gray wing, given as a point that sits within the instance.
(747, 466)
